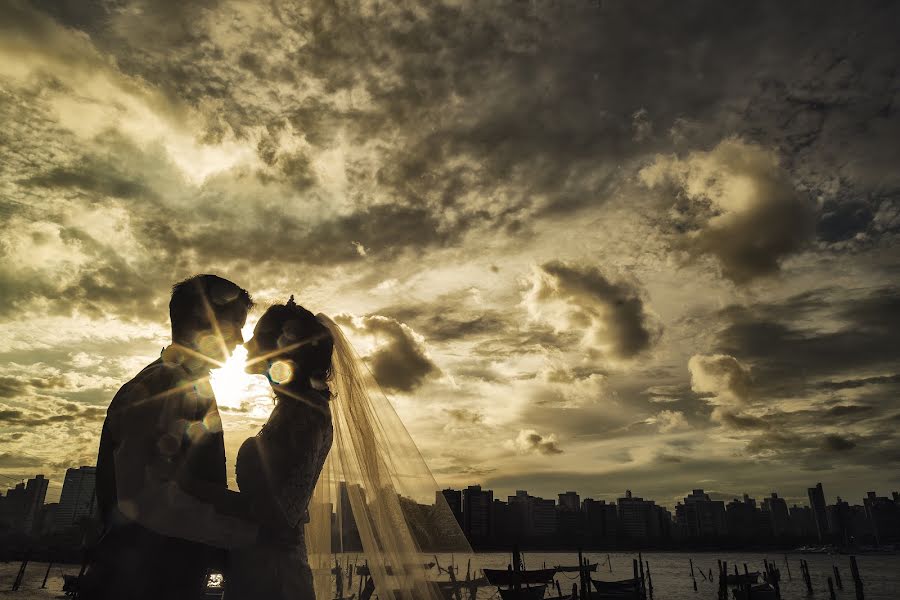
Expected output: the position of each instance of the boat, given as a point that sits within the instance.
(508, 577)
(630, 589)
(762, 591)
(575, 568)
(527, 593)
(742, 578)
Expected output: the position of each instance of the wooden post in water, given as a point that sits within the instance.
(641, 565)
(788, 565)
(857, 580)
(588, 588)
(21, 574)
(649, 579)
(807, 578)
(517, 568)
(693, 577)
(723, 583)
(47, 574)
(609, 562)
(831, 589)
(581, 575)
(837, 577)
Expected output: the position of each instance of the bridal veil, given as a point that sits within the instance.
(383, 495)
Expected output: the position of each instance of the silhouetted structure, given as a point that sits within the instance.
(780, 517)
(454, 501)
(884, 516)
(77, 499)
(817, 504)
(477, 504)
(544, 523)
(700, 518)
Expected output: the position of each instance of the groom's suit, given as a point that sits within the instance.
(161, 488)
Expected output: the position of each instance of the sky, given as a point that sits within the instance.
(581, 245)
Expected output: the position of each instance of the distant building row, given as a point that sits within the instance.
(697, 519)
(22, 508)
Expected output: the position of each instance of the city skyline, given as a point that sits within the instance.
(570, 518)
(580, 245)
(805, 498)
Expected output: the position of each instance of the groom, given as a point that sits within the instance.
(162, 493)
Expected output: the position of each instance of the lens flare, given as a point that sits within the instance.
(230, 383)
(281, 371)
(237, 390)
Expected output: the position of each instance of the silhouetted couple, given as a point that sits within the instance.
(167, 514)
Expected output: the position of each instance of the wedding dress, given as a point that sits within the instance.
(277, 471)
(373, 489)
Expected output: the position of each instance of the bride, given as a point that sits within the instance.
(332, 429)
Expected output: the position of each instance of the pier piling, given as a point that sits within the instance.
(857, 580)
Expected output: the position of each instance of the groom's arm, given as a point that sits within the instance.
(154, 486)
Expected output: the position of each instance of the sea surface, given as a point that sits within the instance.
(670, 572)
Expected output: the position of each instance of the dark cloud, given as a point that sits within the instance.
(10, 460)
(736, 204)
(464, 415)
(837, 443)
(611, 314)
(788, 354)
(530, 441)
(399, 361)
(741, 421)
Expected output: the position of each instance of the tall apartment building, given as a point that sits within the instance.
(700, 517)
(819, 514)
(77, 499)
(477, 508)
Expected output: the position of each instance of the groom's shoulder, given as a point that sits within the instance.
(159, 378)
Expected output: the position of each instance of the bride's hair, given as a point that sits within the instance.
(306, 342)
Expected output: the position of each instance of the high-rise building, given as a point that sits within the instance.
(781, 519)
(641, 520)
(802, 524)
(543, 514)
(884, 516)
(44, 523)
(741, 517)
(346, 523)
(77, 499)
(454, 501)
(699, 517)
(569, 501)
(819, 514)
(477, 508)
(602, 521)
(35, 494)
(12, 507)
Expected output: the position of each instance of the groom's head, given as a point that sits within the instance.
(207, 314)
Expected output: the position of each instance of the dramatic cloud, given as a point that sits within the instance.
(611, 315)
(530, 441)
(399, 360)
(736, 204)
(722, 379)
(413, 161)
(668, 421)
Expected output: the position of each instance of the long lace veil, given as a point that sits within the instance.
(386, 503)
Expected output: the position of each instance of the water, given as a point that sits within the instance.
(670, 572)
(672, 581)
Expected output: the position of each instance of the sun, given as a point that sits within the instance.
(229, 382)
(236, 389)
